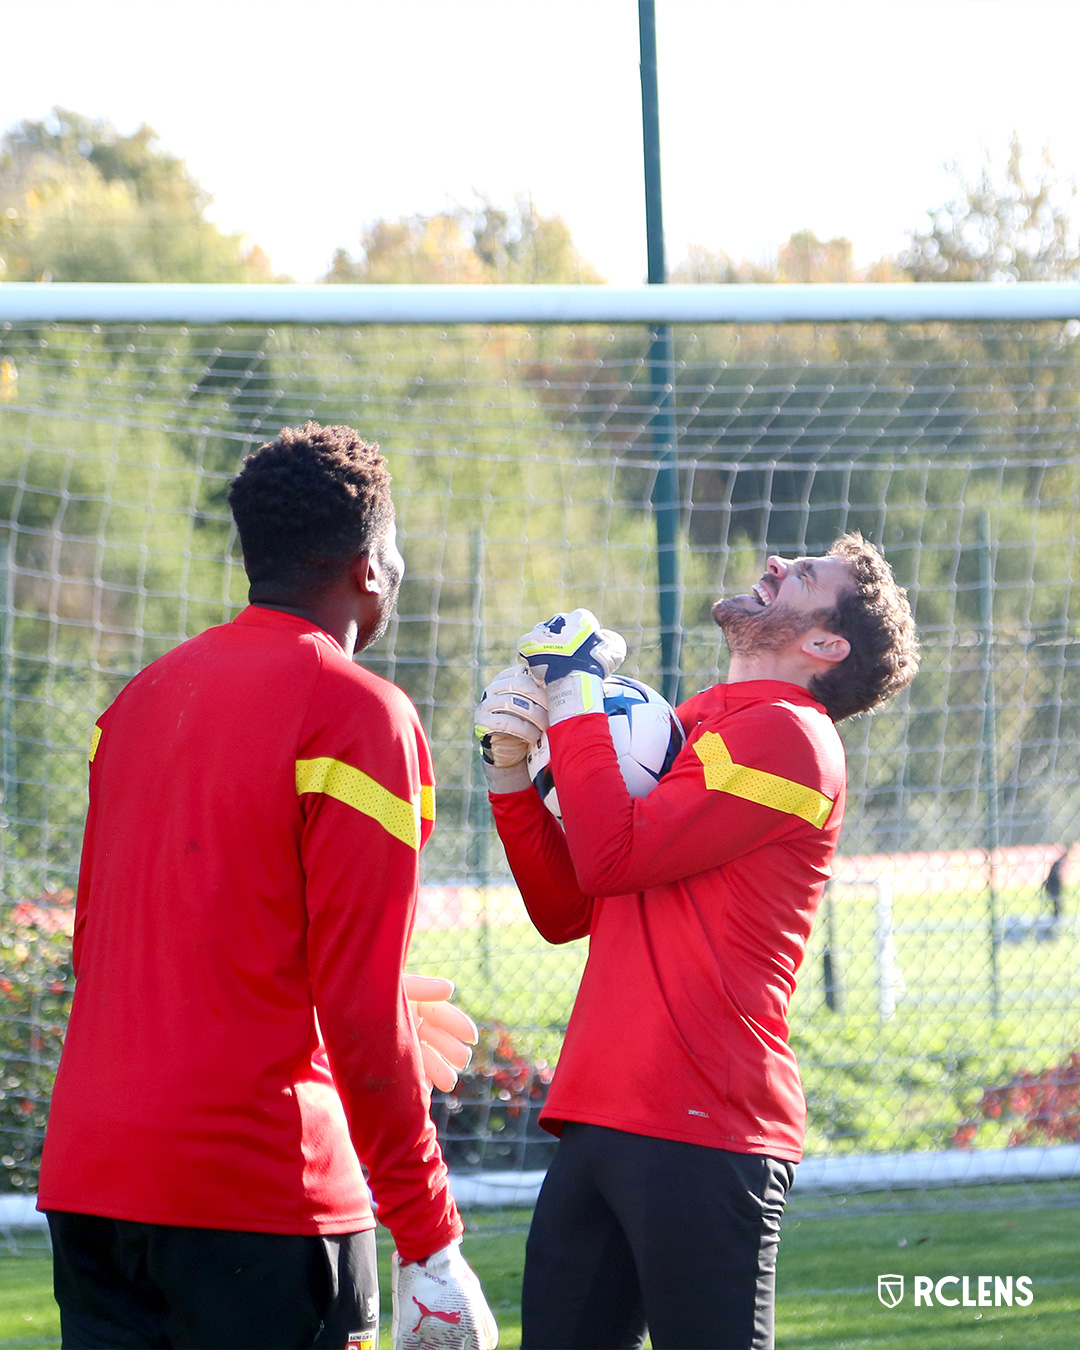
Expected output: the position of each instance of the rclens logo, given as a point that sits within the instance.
(890, 1289)
(958, 1291)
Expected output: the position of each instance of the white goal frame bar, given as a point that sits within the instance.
(924, 302)
(401, 306)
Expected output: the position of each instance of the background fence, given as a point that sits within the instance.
(939, 1009)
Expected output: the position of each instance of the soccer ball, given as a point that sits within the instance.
(644, 729)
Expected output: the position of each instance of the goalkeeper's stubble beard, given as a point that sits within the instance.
(760, 631)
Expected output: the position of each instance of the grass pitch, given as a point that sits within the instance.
(827, 1288)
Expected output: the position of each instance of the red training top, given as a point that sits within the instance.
(249, 875)
(698, 901)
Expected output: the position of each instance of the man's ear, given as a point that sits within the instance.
(368, 574)
(825, 646)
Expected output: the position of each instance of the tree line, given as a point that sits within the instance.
(81, 201)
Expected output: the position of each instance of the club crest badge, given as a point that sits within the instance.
(890, 1289)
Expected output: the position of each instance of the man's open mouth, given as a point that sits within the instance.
(762, 594)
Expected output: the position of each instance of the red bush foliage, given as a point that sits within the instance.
(1045, 1106)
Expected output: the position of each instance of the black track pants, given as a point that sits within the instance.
(632, 1232)
(122, 1285)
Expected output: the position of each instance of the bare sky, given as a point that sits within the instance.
(309, 118)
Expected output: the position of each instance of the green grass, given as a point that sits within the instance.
(827, 1286)
(28, 1316)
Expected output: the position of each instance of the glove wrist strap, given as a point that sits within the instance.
(513, 779)
(574, 694)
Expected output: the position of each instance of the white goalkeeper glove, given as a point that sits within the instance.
(510, 719)
(438, 1303)
(444, 1031)
(571, 655)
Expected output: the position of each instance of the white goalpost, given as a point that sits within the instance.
(543, 459)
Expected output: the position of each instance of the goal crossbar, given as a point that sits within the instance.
(142, 303)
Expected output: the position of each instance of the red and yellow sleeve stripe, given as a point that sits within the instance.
(399, 816)
(722, 774)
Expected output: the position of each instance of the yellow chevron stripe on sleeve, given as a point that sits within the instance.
(359, 790)
(722, 774)
(95, 737)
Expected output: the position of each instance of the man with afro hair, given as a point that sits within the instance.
(241, 1044)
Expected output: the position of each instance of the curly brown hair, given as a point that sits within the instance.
(875, 617)
(305, 505)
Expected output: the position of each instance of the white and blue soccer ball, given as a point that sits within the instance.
(644, 730)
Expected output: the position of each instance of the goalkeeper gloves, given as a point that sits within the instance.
(513, 709)
(510, 719)
(444, 1031)
(438, 1303)
(571, 655)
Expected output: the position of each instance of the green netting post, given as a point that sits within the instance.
(478, 856)
(989, 753)
(831, 967)
(665, 492)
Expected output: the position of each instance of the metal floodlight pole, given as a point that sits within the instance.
(650, 129)
(665, 493)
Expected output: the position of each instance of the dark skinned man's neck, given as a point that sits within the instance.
(342, 630)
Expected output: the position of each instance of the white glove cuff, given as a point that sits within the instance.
(514, 779)
(575, 694)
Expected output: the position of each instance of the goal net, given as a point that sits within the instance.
(938, 1016)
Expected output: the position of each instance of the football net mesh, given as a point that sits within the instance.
(939, 1005)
